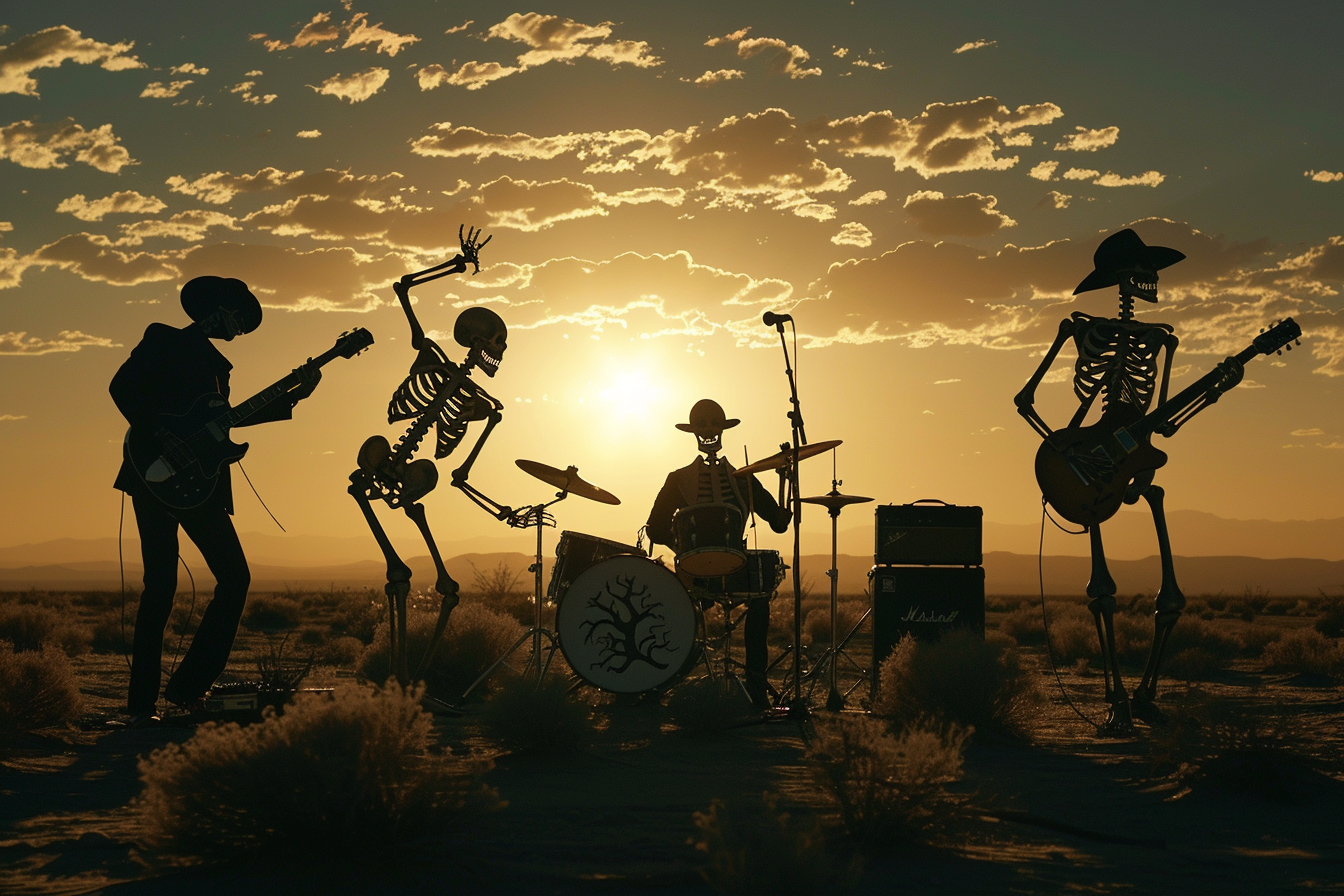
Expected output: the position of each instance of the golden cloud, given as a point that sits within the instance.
(327, 279)
(970, 215)
(160, 91)
(853, 234)
(220, 187)
(718, 77)
(20, 343)
(190, 226)
(383, 41)
(319, 30)
(471, 75)
(975, 45)
(49, 48)
(123, 202)
(1088, 140)
(93, 258)
(37, 145)
(354, 88)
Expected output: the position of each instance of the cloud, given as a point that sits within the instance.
(975, 45)
(189, 68)
(5, 418)
(124, 202)
(471, 75)
(1080, 174)
(160, 91)
(21, 343)
(244, 90)
(970, 215)
(354, 88)
(1055, 199)
(325, 279)
(1324, 177)
(309, 135)
(1314, 431)
(1146, 179)
(1043, 170)
(448, 141)
(38, 145)
(383, 41)
(1023, 139)
(463, 27)
(1085, 140)
(872, 197)
(49, 48)
(319, 30)
(780, 58)
(191, 226)
(944, 138)
(853, 234)
(710, 78)
(94, 258)
(220, 187)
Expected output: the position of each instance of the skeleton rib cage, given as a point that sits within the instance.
(433, 394)
(1117, 359)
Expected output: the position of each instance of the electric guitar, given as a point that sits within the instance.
(180, 461)
(1083, 471)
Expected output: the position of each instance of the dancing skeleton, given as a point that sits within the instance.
(1118, 363)
(441, 395)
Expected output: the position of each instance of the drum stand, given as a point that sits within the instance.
(536, 516)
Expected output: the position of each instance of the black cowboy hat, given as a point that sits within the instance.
(707, 417)
(203, 296)
(1123, 251)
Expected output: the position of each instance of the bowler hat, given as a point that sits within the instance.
(707, 417)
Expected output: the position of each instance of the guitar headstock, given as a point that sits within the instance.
(1281, 335)
(352, 342)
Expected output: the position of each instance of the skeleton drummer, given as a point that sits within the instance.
(710, 480)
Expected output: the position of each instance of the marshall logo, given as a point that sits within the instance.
(894, 537)
(914, 615)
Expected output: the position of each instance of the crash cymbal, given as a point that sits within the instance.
(567, 480)
(775, 461)
(834, 500)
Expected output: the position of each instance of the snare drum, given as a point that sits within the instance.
(761, 574)
(575, 553)
(709, 539)
(628, 626)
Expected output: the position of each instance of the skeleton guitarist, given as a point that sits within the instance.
(1118, 363)
(441, 395)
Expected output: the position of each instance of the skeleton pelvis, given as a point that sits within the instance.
(405, 483)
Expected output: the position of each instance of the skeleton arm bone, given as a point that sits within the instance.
(470, 255)
(459, 477)
(1026, 399)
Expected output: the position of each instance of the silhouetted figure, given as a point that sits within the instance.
(437, 394)
(1118, 363)
(167, 373)
(709, 480)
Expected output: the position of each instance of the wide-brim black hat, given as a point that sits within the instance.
(707, 417)
(1123, 251)
(203, 296)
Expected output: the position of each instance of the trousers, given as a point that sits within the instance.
(211, 529)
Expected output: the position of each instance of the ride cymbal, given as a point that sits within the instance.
(567, 480)
(833, 501)
(783, 458)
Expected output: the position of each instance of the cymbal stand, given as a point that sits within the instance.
(835, 701)
(793, 694)
(535, 516)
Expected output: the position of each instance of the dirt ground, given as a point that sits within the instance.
(1064, 811)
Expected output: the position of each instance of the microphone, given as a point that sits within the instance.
(770, 319)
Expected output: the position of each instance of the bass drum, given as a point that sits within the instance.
(577, 552)
(627, 625)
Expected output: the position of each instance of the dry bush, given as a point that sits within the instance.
(31, 626)
(890, 789)
(357, 613)
(1023, 624)
(1198, 650)
(1254, 638)
(343, 778)
(709, 706)
(526, 716)
(817, 623)
(37, 690)
(278, 672)
(961, 679)
(755, 848)
(272, 613)
(476, 636)
(342, 651)
(111, 631)
(1331, 624)
(1305, 650)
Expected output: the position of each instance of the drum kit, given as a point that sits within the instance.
(627, 624)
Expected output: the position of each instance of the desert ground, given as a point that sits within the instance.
(1239, 792)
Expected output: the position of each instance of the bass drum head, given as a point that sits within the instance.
(628, 626)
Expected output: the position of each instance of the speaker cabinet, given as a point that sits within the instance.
(926, 602)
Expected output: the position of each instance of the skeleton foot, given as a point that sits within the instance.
(1119, 721)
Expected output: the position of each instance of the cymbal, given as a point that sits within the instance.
(782, 459)
(567, 480)
(834, 500)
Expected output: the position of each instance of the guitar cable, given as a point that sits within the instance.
(1045, 620)
(255, 492)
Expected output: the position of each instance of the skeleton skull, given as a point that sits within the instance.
(483, 332)
(1139, 282)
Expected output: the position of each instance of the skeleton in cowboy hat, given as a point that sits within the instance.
(1118, 363)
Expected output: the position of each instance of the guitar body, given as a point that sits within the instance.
(1083, 471)
(180, 463)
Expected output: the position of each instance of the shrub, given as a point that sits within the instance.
(37, 690)
(755, 848)
(1305, 650)
(1023, 624)
(889, 789)
(476, 636)
(525, 716)
(343, 651)
(817, 623)
(32, 627)
(110, 635)
(331, 779)
(961, 679)
(709, 706)
(1332, 623)
(357, 614)
(272, 613)
(277, 672)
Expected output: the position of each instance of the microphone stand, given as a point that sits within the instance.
(797, 705)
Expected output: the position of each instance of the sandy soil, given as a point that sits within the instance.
(1064, 812)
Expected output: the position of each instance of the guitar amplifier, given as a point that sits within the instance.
(926, 602)
(930, 533)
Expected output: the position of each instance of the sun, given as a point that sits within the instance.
(631, 394)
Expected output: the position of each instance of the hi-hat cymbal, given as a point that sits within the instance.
(782, 459)
(567, 480)
(834, 500)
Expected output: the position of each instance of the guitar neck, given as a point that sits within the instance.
(272, 392)
(1182, 401)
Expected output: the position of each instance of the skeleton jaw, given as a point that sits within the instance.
(488, 363)
(1140, 284)
(710, 443)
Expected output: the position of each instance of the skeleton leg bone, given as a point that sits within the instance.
(1101, 589)
(1167, 609)
(445, 585)
(398, 577)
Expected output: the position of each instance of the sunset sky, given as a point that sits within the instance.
(920, 186)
